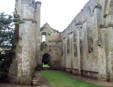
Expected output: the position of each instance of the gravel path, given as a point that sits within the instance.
(43, 82)
(11, 85)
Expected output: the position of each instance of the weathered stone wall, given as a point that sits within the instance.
(86, 47)
(53, 46)
(27, 46)
(87, 41)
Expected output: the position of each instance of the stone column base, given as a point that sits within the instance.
(25, 80)
(68, 70)
(76, 72)
(89, 74)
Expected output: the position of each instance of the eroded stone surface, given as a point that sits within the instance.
(91, 29)
(85, 47)
(53, 46)
(27, 46)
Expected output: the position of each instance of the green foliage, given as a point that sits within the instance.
(59, 79)
(46, 66)
(43, 46)
(5, 60)
(41, 29)
(7, 23)
(49, 33)
(7, 41)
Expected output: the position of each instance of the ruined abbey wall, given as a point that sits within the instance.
(53, 46)
(87, 41)
(28, 44)
(84, 48)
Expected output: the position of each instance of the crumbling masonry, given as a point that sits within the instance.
(27, 49)
(86, 45)
(88, 41)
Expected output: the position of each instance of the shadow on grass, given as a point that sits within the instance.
(60, 79)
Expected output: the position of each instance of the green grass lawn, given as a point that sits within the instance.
(46, 65)
(60, 79)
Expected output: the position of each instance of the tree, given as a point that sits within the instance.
(7, 23)
(7, 41)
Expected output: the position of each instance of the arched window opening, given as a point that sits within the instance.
(46, 60)
(44, 37)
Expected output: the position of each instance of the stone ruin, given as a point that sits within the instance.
(53, 46)
(28, 46)
(84, 48)
(87, 41)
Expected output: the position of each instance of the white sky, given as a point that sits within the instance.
(58, 13)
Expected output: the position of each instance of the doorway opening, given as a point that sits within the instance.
(46, 60)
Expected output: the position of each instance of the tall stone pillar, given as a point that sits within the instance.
(100, 40)
(85, 42)
(108, 33)
(26, 46)
(25, 43)
(38, 35)
(109, 53)
(64, 54)
(78, 51)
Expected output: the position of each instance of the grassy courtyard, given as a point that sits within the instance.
(60, 79)
(46, 66)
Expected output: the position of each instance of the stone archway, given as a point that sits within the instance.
(46, 59)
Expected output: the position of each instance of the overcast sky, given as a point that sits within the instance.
(58, 13)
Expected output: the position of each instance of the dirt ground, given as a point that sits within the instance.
(42, 83)
(11, 85)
